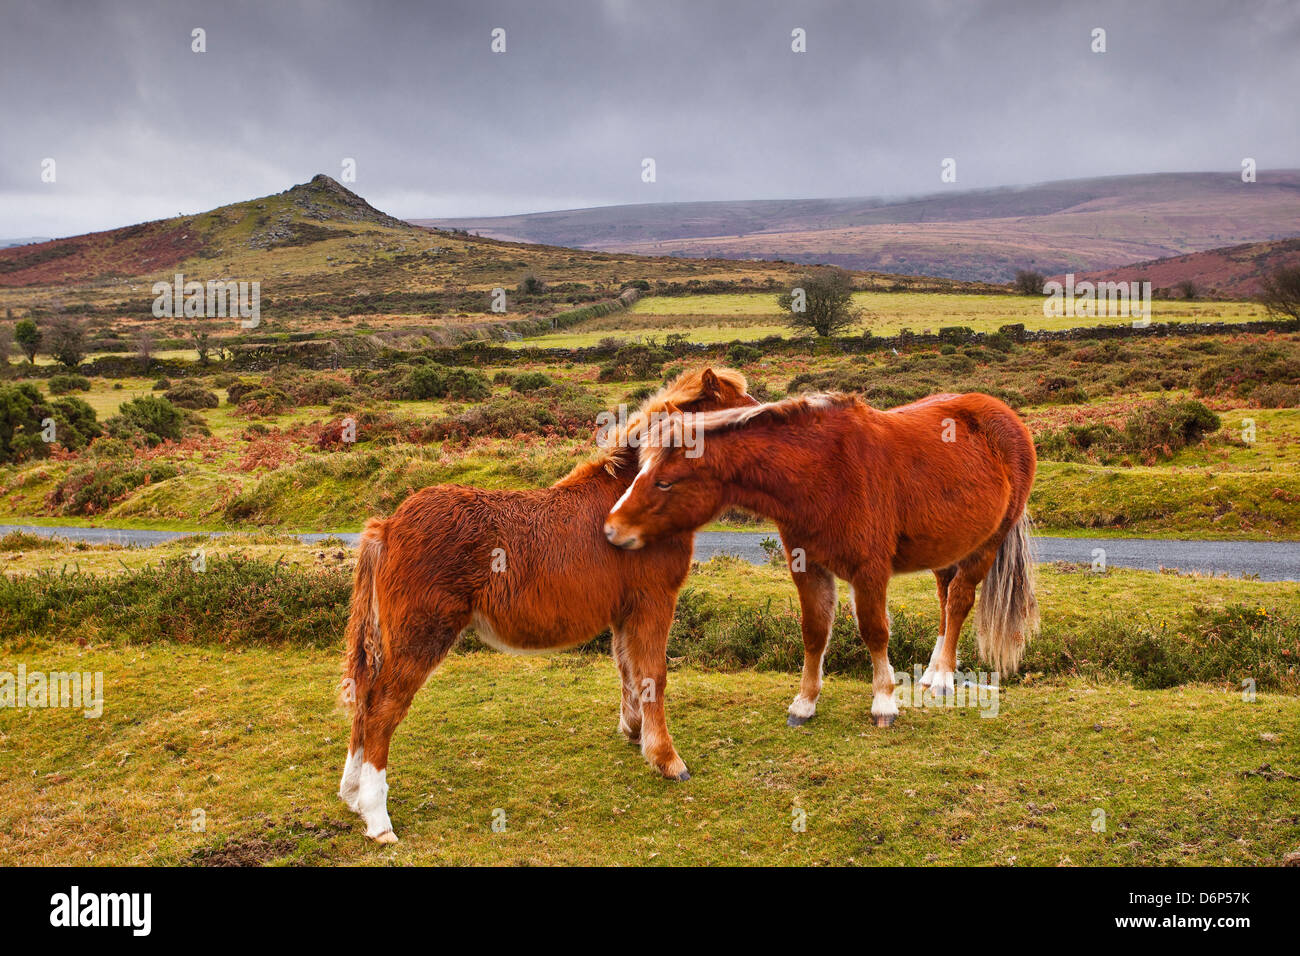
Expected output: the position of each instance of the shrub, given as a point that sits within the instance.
(1276, 395)
(740, 354)
(148, 420)
(556, 409)
(191, 395)
(527, 382)
(435, 381)
(1162, 429)
(93, 487)
(162, 385)
(236, 390)
(23, 414)
(63, 384)
(635, 361)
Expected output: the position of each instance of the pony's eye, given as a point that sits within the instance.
(663, 485)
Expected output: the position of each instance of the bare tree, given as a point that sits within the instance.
(144, 345)
(1028, 282)
(821, 302)
(1281, 292)
(202, 343)
(65, 339)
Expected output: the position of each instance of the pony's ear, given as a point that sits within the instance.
(671, 408)
(709, 382)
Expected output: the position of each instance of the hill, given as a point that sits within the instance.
(326, 259)
(1234, 272)
(982, 235)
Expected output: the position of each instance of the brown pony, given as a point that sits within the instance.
(530, 572)
(861, 495)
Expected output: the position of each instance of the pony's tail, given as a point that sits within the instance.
(1008, 610)
(364, 637)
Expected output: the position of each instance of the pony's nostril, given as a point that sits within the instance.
(609, 532)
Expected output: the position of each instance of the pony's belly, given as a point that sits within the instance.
(533, 636)
(925, 553)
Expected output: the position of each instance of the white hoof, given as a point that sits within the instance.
(942, 684)
(802, 707)
(388, 836)
(884, 708)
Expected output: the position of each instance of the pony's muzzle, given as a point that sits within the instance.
(626, 540)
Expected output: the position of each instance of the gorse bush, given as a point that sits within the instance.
(191, 395)
(555, 409)
(526, 382)
(92, 487)
(24, 414)
(436, 381)
(147, 420)
(635, 361)
(63, 384)
(1160, 430)
(1153, 433)
(234, 601)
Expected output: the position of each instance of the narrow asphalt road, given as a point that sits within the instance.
(1270, 560)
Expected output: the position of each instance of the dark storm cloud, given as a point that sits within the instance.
(141, 127)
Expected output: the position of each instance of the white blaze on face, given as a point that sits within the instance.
(639, 475)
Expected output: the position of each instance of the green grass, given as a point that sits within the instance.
(751, 316)
(253, 740)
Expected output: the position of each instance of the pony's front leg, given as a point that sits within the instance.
(816, 587)
(873, 624)
(629, 711)
(647, 649)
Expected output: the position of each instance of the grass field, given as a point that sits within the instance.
(234, 714)
(730, 316)
(251, 739)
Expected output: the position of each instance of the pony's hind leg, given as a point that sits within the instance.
(629, 711)
(402, 673)
(961, 598)
(943, 579)
(816, 587)
(873, 624)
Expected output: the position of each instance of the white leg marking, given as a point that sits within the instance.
(803, 707)
(373, 804)
(883, 705)
(350, 785)
(928, 678)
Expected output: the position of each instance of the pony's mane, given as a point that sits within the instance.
(664, 435)
(616, 448)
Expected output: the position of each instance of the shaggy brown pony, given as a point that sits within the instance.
(861, 495)
(531, 572)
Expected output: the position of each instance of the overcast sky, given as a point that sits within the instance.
(140, 127)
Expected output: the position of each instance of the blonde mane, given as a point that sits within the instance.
(664, 435)
(616, 447)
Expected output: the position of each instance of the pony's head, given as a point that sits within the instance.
(697, 390)
(674, 492)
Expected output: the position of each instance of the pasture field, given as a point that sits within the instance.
(725, 317)
(219, 696)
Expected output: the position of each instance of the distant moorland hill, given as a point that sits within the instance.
(984, 235)
(1234, 272)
